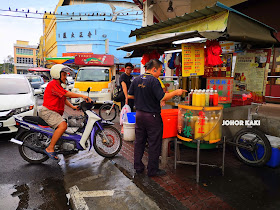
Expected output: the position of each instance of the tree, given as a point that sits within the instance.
(8, 65)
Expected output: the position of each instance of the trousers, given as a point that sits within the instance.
(148, 128)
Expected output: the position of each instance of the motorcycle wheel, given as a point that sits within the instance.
(258, 142)
(32, 139)
(105, 148)
(106, 114)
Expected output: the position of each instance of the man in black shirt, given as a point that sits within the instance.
(147, 94)
(125, 82)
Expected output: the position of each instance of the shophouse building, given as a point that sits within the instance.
(24, 57)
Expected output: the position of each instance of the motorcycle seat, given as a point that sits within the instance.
(35, 120)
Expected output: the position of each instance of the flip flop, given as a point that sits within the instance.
(52, 155)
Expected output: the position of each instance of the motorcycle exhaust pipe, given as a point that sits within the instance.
(38, 150)
(16, 141)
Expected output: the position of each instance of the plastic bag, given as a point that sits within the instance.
(123, 116)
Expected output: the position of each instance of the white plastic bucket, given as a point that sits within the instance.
(128, 131)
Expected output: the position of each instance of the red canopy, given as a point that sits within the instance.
(38, 69)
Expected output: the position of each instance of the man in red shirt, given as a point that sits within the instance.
(53, 105)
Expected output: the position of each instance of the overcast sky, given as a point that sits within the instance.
(26, 29)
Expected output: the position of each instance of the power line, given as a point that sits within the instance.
(72, 13)
(59, 19)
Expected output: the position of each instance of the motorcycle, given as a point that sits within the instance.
(34, 135)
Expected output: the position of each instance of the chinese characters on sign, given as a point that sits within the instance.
(224, 86)
(187, 131)
(73, 35)
(192, 60)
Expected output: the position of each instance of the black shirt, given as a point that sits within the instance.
(126, 79)
(147, 93)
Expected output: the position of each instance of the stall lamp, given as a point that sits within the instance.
(173, 51)
(195, 39)
(170, 8)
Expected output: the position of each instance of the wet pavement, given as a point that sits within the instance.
(26, 186)
(94, 182)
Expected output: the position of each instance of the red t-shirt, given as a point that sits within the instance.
(54, 98)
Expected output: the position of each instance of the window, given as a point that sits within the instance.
(94, 75)
(13, 86)
(25, 60)
(22, 51)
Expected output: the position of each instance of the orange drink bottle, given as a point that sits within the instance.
(215, 98)
(203, 97)
(211, 125)
(198, 128)
(194, 98)
(206, 129)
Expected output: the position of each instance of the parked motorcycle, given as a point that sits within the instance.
(34, 135)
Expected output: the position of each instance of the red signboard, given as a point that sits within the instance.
(94, 60)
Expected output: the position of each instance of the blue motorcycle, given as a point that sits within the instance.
(34, 135)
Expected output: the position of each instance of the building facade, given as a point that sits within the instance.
(24, 57)
(87, 27)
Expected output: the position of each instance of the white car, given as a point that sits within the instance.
(16, 98)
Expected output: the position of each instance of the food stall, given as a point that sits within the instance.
(216, 47)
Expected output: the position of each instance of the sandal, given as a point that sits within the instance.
(52, 155)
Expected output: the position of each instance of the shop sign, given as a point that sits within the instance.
(227, 46)
(94, 60)
(224, 86)
(192, 60)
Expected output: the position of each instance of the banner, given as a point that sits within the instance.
(192, 60)
(94, 60)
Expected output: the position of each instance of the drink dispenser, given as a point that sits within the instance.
(203, 123)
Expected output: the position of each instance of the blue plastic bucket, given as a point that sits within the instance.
(131, 117)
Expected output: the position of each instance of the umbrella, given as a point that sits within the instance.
(38, 69)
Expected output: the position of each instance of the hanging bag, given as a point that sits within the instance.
(118, 95)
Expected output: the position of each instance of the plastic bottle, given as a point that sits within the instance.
(190, 97)
(212, 135)
(206, 129)
(215, 98)
(217, 130)
(193, 120)
(198, 98)
(211, 98)
(207, 95)
(197, 131)
(194, 98)
(203, 96)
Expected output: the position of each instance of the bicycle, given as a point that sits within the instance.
(251, 145)
(109, 110)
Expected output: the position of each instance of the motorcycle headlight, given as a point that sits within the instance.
(105, 90)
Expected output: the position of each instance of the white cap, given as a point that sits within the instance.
(216, 91)
(207, 91)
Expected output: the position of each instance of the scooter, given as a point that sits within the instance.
(34, 135)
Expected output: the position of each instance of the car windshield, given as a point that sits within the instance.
(93, 75)
(33, 79)
(12, 86)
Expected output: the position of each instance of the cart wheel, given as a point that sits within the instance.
(259, 151)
